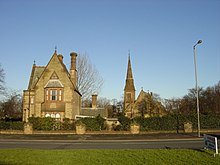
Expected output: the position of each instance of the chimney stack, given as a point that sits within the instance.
(94, 101)
(73, 71)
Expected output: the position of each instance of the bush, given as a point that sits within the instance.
(12, 125)
(93, 124)
(67, 124)
(125, 122)
(176, 122)
(45, 123)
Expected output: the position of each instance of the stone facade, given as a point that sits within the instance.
(52, 90)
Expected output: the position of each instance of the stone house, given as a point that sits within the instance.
(52, 90)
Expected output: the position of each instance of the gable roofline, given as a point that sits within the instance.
(31, 76)
(64, 67)
(142, 92)
(34, 74)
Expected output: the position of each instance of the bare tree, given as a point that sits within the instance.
(11, 106)
(103, 102)
(89, 80)
(2, 79)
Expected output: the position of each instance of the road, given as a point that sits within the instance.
(195, 143)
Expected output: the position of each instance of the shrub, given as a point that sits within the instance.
(45, 123)
(176, 122)
(67, 124)
(125, 122)
(93, 124)
(12, 125)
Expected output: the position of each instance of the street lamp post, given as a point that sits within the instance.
(197, 90)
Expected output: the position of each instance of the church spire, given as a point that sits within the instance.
(129, 86)
(129, 91)
(129, 69)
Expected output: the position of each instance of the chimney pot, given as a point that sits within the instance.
(60, 56)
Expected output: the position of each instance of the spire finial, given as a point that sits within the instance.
(55, 49)
(34, 62)
(129, 53)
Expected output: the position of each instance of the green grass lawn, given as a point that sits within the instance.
(65, 157)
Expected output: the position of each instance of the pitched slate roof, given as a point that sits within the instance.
(54, 84)
(35, 75)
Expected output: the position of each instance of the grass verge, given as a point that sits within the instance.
(82, 157)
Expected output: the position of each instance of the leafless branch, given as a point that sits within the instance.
(89, 80)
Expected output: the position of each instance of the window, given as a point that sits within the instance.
(47, 115)
(128, 97)
(47, 94)
(32, 100)
(54, 94)
(60, 95)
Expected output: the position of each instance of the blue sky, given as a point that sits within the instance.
(159, 34)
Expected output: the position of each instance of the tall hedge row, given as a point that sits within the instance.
(169, 122)
(176, 122)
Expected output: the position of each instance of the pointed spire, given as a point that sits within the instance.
(129, 69)
(129, 86)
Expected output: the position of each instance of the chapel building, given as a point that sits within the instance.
(145, 105)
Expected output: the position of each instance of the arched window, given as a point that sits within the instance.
(57, 116)
(53, 115)
(47, 115)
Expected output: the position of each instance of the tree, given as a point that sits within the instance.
(209, 101)
(188, 103)
(11, 107)
(89, 80)
(143, 107)
(172, 105)
(150, 105)
(2, 79)
(103, 102)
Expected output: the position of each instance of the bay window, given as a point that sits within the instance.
(54, 94)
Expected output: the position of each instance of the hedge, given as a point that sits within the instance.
(48, 123)
(176, 122)
(168, 122)
(12, 125)
(67, 124)
(125, 123)
(93, 124)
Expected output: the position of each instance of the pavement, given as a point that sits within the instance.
(103, 141)
(112, 137)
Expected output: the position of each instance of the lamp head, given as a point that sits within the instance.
(199, 42)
